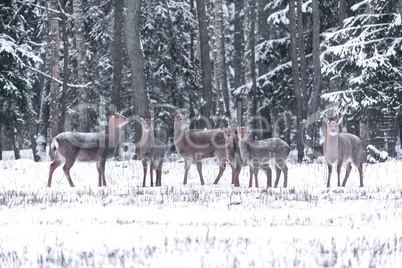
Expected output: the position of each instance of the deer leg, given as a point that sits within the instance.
(278, 176)
(268, 172)
(159, 177)
(222, 167)
(256, 177)
(253, 171)
(160, 171)
(237, 182)
(349, 168)
(187, 165)
(338, 170)
(101, 169)
(144, 165)
(329, 175)
(151, 172)
(66, 168)
(55, 164)
(360, 168)
(285, 174)
(199, 168)
(99, 173)
(250, 184)
(237, 170)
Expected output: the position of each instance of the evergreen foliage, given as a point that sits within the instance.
(360, 59)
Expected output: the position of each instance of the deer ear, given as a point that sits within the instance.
(326, 121)
(113, 112)
(152, 118)
(339, 120)
(141, 119)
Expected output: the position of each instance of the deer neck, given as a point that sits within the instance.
(114, 135)
(147, 137)
(331, 148)
(244, 146)
(179, 132)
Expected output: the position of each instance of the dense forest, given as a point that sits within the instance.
(279, 66)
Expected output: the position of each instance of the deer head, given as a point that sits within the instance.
(243, 134)
(146, 123)
(230, 134)
(333, 126)
(180, 121)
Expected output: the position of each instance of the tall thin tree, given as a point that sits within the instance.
(206, 79)
(54, 59)
(140, 100)
(221, 58)
(81, 66)
(316, 91)
(302, 57)
(296, 80)
(117, 53)
(264, 34)
(66, 69)
(238, 57)
(253, 67)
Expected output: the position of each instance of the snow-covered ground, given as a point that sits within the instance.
(124, 224)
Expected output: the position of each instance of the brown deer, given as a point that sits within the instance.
(196, 146)
(68, 147)
(262, 154)
(342, 149)
(232, 155)
(152, 150)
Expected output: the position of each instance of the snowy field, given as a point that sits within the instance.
(124, 224)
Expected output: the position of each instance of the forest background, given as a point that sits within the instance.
(281, 66)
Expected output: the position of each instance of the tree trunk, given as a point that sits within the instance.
(41, 139)
(302, 55)
(206, 80)
(81, 66)
(16, 146)
(316, 91)
(263, 66)
(263, 32)
(140, 99)
(54, 59)
(192, 90)
(221, 58)
(66, 73)
(253, 68)
(364, 133)
(296, 81)
(342, 12)
(117, 53)
(238, 44)
(391, 136)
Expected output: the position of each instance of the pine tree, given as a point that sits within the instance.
(365, 54)
(16, 57)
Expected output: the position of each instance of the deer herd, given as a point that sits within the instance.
(230, 146)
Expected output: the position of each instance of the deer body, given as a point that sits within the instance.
(153, 151)
(262, 154)
(196, 146)
(233, 155)
(342, 149)
(68, 147)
